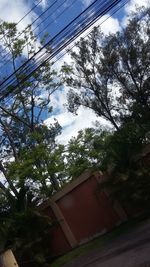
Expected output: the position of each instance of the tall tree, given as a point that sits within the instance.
(29, 154)
(110, 74)
(22, 115)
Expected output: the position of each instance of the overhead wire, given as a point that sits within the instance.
(97, 26)
(55, 36)
(37, 18)
(67, 50)
(43, 46)
(24, 66)
(25, 15)
(67, 34)
(70, 40)
(46, 26)
(67, 7)
(70, 48)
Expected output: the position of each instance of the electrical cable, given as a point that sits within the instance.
(50, 23)
(67, 7)
(62, 38)
(76, 35)
(116, 10)
(25, 15)
(41, 48)
(37, 18)
(62, 47)
(97, 26)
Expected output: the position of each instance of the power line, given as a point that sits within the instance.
(84, 13)
(58, 49)
(97, 26)
(67, 7)
(116, 10)
(44, 46)
(37, 18)
(25, 15)
(60, 14)
(69, 34)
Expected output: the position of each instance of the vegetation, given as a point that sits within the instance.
(110, 75)
(28, 149)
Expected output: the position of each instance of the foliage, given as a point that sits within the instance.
(127, 170)
(110, 75)
(29, 154)
(86, 151)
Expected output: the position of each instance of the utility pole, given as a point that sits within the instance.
(7, 259)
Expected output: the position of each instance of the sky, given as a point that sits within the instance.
(56, 19)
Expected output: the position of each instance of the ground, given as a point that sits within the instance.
(128, 250)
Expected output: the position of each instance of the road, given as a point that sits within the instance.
(129, 250)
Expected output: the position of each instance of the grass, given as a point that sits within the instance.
(97, 242)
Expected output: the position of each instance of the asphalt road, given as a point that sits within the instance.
(138, 257)
(129, 250)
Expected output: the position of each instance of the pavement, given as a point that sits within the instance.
(128, 250)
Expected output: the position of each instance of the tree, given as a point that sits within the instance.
(110, 74)
(126, 168)
(22, 115)
(29, 154)
(86, 151)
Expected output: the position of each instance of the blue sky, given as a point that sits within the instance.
(14, 10)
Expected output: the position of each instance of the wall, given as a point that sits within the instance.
(56, 239)
(82, 212)
(87, 211)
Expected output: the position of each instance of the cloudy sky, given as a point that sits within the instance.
(14, 10)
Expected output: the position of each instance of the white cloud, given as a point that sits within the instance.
(86, 2)
(131, 7)
(43, 3)
(85, 119)
(71, 123)
(109, 24)
(13, 11)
